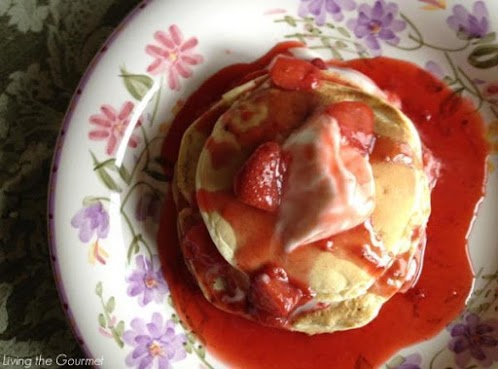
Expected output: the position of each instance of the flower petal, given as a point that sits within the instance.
(138, 325)
(148, 296)
(372, 42)
(472, 320)
(156, 51)
(346, 4)
(109, 112)
(100, 120)
(141, 263)
(477, 352)
(483, 329)
(156, 67)
(189, 44)
(377, 10)
(397, 25)
(133, 141)
(164, 39)
(176, 34)
(111, 145)
(391, 8)
(463, 359)
(135, 290)
(173, 81)
(126, 109)
(163, 362)
(361, 31)
(386, 34)
(332, 7)
(157, 320)
(143, 340)
(488, 341)
(146, 362)
(459, 344)
(316, 7)
(98, 135)
(183, 70)
(480, 10)
(191, 59)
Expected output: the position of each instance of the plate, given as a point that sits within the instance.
(107, 184)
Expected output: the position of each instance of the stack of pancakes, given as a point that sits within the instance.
(345, 282)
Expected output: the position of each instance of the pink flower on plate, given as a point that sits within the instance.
(111, 125)
(173, 55)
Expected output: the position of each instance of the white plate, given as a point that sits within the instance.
(103, 219)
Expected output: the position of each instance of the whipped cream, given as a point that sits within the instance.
(329, 187)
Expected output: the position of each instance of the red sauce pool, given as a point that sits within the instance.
(452, 129)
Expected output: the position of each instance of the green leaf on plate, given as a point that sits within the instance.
(109, 163)
(157, 175)
(343, 31)
(102, 321)
(490, 37)
(98, 289)
(90, 200)
(187, 347)
(290, 21)
(201, 351)
(133, 248)
(120, 328)
(340, 44)
(136, 84)
(111, 304)
(395, 362)
(104, 176)
(124, 174)
(484, 56)
(191, 337)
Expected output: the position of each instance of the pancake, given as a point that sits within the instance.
(330, 281)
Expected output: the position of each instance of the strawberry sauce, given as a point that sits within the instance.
(452, 130)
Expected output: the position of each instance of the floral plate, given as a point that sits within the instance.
(108, 184)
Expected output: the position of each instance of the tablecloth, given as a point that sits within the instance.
(45, 47)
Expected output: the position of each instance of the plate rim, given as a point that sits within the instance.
(53, 175)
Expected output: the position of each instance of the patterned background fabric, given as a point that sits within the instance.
(45, 47)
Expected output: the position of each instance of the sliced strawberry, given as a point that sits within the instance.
(294, 74)
(259, 181)
(356, 120)
(272, 294)
(319, 63)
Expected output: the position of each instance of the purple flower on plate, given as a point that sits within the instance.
(377, 22)
(435, 69)
(91, 219)
(154, 342)
(320, 8)
(469, 25)
(148, 205)
(413, 361)
(147, 281)
(475, 339)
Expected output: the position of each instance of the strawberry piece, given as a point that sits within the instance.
(356, 121)
(272, 294)
(319, 63)
(294, 74)
(259, 181)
